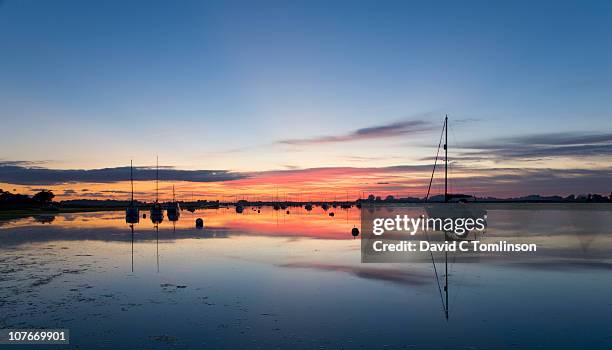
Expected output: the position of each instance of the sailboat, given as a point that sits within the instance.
(454, 206)
(347, 204)
(324, 205)
(157, 212)
(132, 214)
(276, 205)
(192, 206)
(173, 209)
(239, 207)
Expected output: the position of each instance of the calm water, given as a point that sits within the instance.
(272, 280)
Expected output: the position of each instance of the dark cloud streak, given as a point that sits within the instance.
(399, 128)
(23, 175)
(540, 146)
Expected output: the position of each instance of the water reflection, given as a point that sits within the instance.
(559, 231)
(300, 222)
(270, 279)
(44, 219)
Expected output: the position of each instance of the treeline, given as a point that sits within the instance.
(10, 200)
(582, 198)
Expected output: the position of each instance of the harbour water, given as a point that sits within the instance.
(276, 280)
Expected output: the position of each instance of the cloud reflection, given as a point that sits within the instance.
(403, 277)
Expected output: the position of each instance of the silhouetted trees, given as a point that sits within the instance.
(44, 197)
(10, 200)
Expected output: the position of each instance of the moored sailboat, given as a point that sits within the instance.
(132, 213)
(157, 211)
(173, 209)
(454, 206)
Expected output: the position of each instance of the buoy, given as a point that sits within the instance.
(144, 215)
(332, 214)
(259, 211)
(355, 232)
(199, 223)
(287, 212)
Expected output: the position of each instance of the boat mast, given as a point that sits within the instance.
(132, 183)
(157, 180)
(446, 200)
(446, 159)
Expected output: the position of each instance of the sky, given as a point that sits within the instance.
(305, 97)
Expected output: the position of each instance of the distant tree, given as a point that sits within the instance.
(44, 196)
(371, 198)
(389, 198)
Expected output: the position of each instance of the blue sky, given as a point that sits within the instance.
(217, 84)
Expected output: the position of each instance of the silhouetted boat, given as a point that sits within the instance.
(239, 208)
(455, 206)
(192, 206)
(157, 211)
(132, 213)
(173, 209)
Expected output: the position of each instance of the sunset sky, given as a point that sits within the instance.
(310, 99)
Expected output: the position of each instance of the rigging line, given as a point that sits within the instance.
(435, 163)
(433, 262)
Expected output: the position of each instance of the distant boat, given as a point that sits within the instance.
(173, 209)
(192, 206)
(239, 208)
(132, 213)
(157, 211)
(347, 204)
